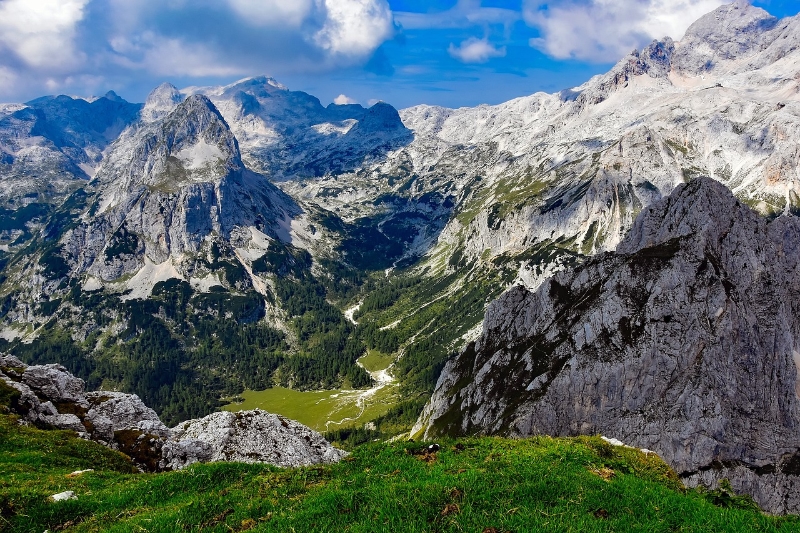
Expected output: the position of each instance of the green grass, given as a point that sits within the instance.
(540, 484)
(319, 410)
(375, 360)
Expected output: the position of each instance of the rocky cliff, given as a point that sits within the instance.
(685, 341)
(50, 397)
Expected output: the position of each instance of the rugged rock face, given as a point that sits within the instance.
(49, 396)
(685, 341)
(258, 437)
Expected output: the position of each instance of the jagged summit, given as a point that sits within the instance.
(160, 102)
(192, 143)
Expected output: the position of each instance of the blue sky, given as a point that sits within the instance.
(406, 52)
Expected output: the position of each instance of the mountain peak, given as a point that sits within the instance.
(161, 101)
(729, 32)
(114, 97)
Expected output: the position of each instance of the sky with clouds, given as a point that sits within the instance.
(405, 52)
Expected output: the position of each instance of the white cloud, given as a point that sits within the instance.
(475, 50)
(606, 30)
(354, 28)
(171, 57)
(343, 99)
(41, 32)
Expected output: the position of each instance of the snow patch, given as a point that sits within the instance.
(331, 128)
(200, 155)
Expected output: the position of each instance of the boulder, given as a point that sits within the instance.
(258, 437)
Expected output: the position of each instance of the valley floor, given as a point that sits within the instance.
(475, 485)
(330, 409)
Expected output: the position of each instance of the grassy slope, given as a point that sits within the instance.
(540, 484)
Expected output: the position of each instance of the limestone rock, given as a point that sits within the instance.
(258, 436)
(118, 411)
(63, 496)
(685, 342)
(52, 397)
(55, 383)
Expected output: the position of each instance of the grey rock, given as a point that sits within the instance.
(118, 411)
(42, 412)
(258, 436)
(62, 421)
(684, 341)
(55, 383)
(11, 361)
(177, 454)
(123, 422)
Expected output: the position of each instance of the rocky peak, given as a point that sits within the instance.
(684, 341)
(160, 102)
(653, 60)
(381, 117)
(730, 32)
(192, 143)
(165, 188)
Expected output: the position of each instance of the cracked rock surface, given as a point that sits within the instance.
(684, 341)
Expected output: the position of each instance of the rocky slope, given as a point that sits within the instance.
(683, 341)
(49, 396)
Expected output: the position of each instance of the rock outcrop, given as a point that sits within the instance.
(50, 397)
(257, 437)
(686, 341)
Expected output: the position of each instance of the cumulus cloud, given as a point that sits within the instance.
(343, 99)
(41, 34)
(606, 30)
(475, 50)
(54, 44)
(354, 27)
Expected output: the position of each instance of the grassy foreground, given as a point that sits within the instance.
(471, 485)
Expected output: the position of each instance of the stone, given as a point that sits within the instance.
(55, 383)
(63, 496)
(119, 411)
(258, 436)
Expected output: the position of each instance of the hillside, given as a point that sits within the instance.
(485, 484)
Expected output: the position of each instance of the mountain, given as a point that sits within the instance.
(246, 236)
(683, 341)
(528, 187)
(49, 147)
(166, 188)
